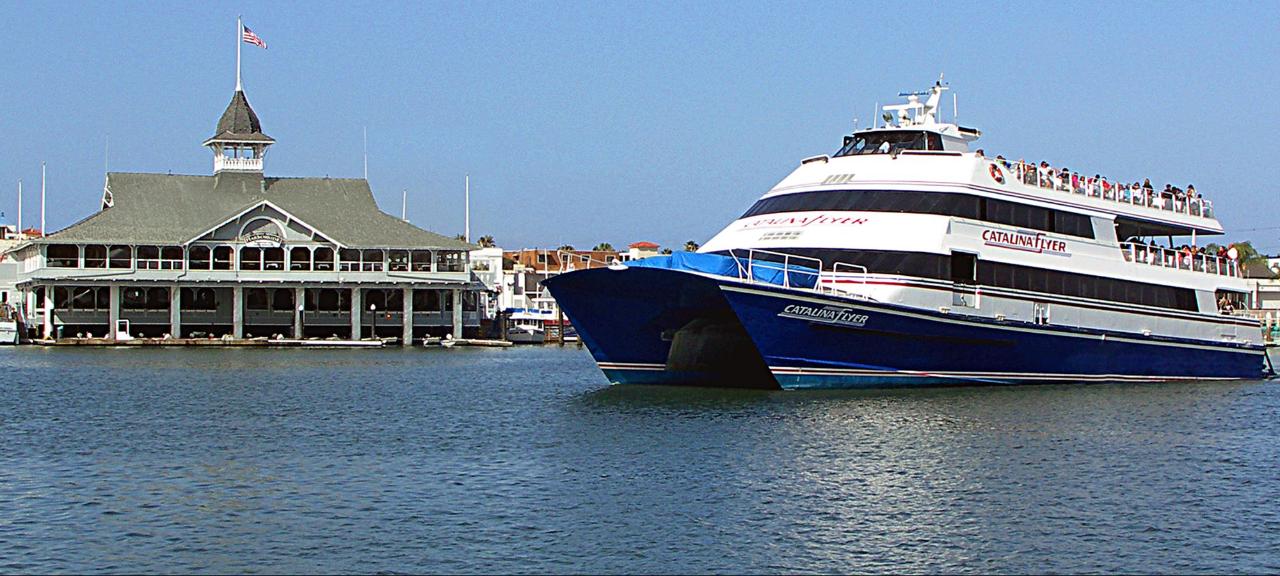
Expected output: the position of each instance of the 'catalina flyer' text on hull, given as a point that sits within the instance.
(907, 259)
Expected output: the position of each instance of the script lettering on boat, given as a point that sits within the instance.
(825, 314)
(1025, 241)
(804, 221)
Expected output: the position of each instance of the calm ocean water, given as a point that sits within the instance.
(525, 460)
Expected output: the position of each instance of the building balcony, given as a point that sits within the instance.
(228, 164)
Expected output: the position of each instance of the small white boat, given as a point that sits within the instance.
(526, 334)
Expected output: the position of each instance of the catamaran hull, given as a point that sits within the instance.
(661, 326)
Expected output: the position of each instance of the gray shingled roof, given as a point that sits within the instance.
(169, 209)
(239, 123)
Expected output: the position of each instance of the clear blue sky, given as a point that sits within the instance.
(595, 121)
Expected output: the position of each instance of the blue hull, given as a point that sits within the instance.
(662, 326)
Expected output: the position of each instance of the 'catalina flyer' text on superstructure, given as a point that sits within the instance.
(908, 259)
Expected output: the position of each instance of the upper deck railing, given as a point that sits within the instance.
(1179, 259)
(1135, 195)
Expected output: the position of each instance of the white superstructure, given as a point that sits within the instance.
(907, 213)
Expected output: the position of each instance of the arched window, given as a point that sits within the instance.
(375, 299)
(61, 298)
(263, 230)
(198, 257)
(250, 258)
(273, 258)
(133, 298)
(157, 298)
(329, 300)
(426, 301)
(83, 298)
(395, 300)
(256, 299)
(222, 256)
(103, 295)
(282, 299)
(95, 256)
(323, 258)
(299, 258)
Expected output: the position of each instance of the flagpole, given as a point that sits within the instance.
(42, 199)
(19, 206)
(239, 41)
(466, 231)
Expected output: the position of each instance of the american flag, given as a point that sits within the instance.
(248, 36)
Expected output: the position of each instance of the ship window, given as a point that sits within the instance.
(897, 140)
(1001, 275)
(917, 202)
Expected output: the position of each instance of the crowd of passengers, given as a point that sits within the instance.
(1097, 186)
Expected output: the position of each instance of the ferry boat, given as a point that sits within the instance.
(909, 258)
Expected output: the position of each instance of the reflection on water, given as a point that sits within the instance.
(524, 460)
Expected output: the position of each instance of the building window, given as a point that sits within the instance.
(323, 258)
(63, 256)
(371, 261)
(171, 258)
(250, 258)
(95, 256)
(148, 257)
(273, 258)
(451, 261)
(421, 260)
(198, 258)
(426, 301)
(282, 299)
(84, 298)
(256, 299)
(398, 261)
(61, 298)
(199, 299)
(350, 260)
(222, 257)
(299, 258)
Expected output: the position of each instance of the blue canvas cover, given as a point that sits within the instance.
(720, 265)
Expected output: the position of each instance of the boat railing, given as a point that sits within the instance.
(1130, 194)
(797, 271)
(1179, 259)
(843, 274)
(570, 261)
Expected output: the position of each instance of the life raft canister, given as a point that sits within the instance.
(996, 174)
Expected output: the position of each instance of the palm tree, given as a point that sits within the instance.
(566, 248)
(486, 241)
(666, 251)
(603, 247)
(691, 246)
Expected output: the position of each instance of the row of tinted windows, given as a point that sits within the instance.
(942, 203)
(997, 274)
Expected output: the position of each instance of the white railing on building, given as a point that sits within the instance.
(221, 163)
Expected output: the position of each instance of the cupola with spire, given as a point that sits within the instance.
(238, 144)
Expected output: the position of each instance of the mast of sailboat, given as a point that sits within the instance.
(466, 230)
(404, 203)
(19, 206)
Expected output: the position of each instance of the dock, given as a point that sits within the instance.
(221, 342)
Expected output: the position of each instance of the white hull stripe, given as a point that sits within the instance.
(847, 304)
(630, 366)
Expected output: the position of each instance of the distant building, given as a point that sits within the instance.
(638, 250)
(243, 254)
(1264, 281)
